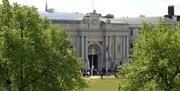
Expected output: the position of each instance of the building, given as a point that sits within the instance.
(102, 43)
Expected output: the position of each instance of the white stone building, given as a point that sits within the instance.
(105, 43)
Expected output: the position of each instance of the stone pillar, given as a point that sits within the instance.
(121, 47)
(82, 46)
(106, 51)
(85, 47)
(115, 48)
(79, 45)
(124, 44)
(125, 47)
(85, 52)
(110, 52)
(76, 46)
(122, 39)
(127, 43)
(110, 47)
(82, 49)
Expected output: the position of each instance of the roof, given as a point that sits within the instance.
(79, 16)
(139, 20)
(62, 15)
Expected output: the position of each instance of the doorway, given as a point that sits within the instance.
(93, 59)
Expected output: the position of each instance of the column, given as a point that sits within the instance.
(77, 48)
(124, 44)
(110, 47)
(82, 49)
(85, 47)
(127, 47)
(120, 46)
(85, 53)
(106, 47)
(106, 51)
(115, 48)
(110, 51)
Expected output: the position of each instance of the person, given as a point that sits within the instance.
(101, 73)
(88, 72)
(116, 71)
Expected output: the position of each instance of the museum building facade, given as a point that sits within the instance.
(102, 43)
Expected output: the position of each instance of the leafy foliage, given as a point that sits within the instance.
(109, 16)
(155, 65)
(35, 56)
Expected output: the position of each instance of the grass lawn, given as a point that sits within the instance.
(102, 85)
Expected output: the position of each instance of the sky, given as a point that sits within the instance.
(120, 8)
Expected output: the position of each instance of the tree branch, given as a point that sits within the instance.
(35, 79)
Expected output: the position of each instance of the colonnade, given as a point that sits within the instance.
(109, 49)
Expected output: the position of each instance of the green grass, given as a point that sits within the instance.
(102, 85)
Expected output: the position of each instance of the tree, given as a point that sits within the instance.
(35, 56)
(155, 65)
(109, 16)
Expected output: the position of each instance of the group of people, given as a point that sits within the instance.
(99, 72)
(89, 72)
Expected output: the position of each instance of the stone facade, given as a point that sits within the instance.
(98, 42)
(102, 43)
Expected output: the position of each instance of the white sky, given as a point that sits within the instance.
(120, 8)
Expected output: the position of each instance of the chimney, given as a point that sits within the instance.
(171, 10)
(94, 11)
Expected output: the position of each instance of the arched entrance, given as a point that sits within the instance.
(94, 56)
